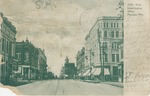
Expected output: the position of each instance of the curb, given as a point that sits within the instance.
(114, 85)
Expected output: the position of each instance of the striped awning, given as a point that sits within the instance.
(96, 71)
(87, 73)
(106, 71)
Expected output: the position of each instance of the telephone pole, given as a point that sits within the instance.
(101, 55)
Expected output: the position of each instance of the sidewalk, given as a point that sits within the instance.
(118, 84)
(91, 81)
(19, 82)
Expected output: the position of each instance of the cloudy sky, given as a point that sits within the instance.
(58, 26)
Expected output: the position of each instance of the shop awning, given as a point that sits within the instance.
(106, 71)
(87, 73)
(96, 71)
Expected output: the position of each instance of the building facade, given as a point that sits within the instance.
(80, 61)
(102, 48)
(27, 56)
(7, 48)
(42, 64)
(70, 69)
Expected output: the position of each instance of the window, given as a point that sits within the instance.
(114, 25)
(18, 56)
(122, 34)
(113, 57)
(121, 53)
(105, 33)
(117, 57)
(107, 25)
(117, 25)
(115, 45)
(111, 25)
(117, 34)
(122, 25)
(105, 45)
(27, 56)
(112, 34)
(106, 58)
(3, 44)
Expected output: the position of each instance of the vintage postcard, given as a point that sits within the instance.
(74, 47)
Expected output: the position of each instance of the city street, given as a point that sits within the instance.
(68, 87)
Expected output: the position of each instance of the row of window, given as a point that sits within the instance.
(115, 45)
(113, 34)
(115, 57)
(112, 25)
(7, 46)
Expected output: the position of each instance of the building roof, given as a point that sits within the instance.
(27, 42)
(8, 23)
(103, 18)
(110, 18)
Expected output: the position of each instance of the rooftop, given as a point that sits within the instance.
(8, 23)
(110, 18)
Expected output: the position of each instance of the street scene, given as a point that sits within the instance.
(53, 52)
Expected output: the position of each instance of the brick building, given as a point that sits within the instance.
(27, 56)
(42, 64)
(7, 48)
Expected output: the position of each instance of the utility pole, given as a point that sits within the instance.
(103, 62)
(101, 55)
(99, 50)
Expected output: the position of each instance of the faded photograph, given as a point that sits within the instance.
(62, 47)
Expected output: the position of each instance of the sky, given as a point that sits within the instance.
(57, 26)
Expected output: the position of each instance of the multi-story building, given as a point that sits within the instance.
(70, 69)
(7, 48)
(27, 56)
(102, 48)
(80, 61)
(42, 64)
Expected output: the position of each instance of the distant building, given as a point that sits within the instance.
(102, 45)
(7, 49)
(80, 61)
(42, 64)
(70, 69)
(27, 56)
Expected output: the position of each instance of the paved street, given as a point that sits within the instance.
(69, 87)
